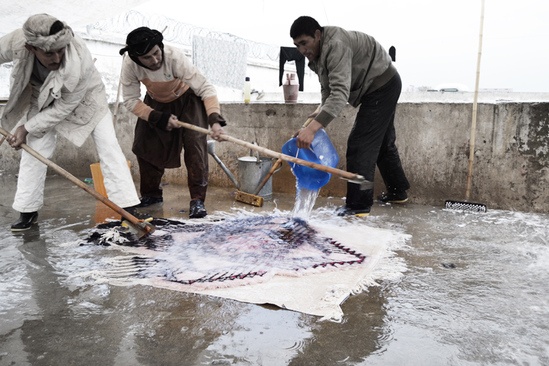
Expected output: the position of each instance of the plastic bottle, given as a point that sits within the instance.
(247, 90)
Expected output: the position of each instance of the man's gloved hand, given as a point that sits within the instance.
(159, 119)
(216, 123)
(216, 118)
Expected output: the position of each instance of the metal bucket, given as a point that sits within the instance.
(251, 171)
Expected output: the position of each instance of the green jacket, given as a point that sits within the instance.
(351, 64)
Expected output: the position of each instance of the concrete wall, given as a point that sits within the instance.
(511, 150)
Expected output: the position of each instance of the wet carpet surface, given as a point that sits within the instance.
(231, 252)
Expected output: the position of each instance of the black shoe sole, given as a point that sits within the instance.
(356, 213)
(395, 201)
(17, 230)
(393, 198)
(361, 214)
(198, 216)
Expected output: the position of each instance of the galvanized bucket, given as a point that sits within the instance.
(251, 171)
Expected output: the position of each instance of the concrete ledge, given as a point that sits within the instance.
(511, 150)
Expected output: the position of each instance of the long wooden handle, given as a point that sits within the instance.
(267, 176)
(140, 225)
(341, 173)
(475, 107)
(277, 164)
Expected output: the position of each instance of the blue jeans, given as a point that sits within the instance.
(372, 141)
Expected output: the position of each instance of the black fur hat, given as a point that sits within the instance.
(140, 41)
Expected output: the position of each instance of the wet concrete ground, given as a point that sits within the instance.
(474, 292)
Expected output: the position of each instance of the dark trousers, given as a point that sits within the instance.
(195, 156)
(151, 177)
(157, 150)
(372, 141)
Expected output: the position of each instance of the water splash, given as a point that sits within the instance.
(310, 180)
(304, 202)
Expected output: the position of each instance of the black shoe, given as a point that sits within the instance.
(197, 210)
(394, 197)
(359, 212)
(147, 201)
(139, 215)
(26, 219)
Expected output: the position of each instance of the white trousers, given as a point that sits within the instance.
(118, 181)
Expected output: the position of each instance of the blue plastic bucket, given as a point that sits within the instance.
(322, 151)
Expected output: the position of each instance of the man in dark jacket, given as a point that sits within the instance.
(353, 67)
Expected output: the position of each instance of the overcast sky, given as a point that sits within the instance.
(437, 41)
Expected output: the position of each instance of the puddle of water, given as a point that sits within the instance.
(271, 342)
(474, 293)
(466, 289)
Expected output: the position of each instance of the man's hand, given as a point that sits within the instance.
(19, 137)
(306, 135)
(217, 131)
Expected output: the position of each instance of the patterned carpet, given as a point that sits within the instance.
(258, 259)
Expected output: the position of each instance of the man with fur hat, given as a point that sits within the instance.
(57, 89)
(176, 90)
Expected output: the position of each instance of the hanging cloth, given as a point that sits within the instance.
(292, 54)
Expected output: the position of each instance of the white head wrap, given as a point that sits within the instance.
(38, 29)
